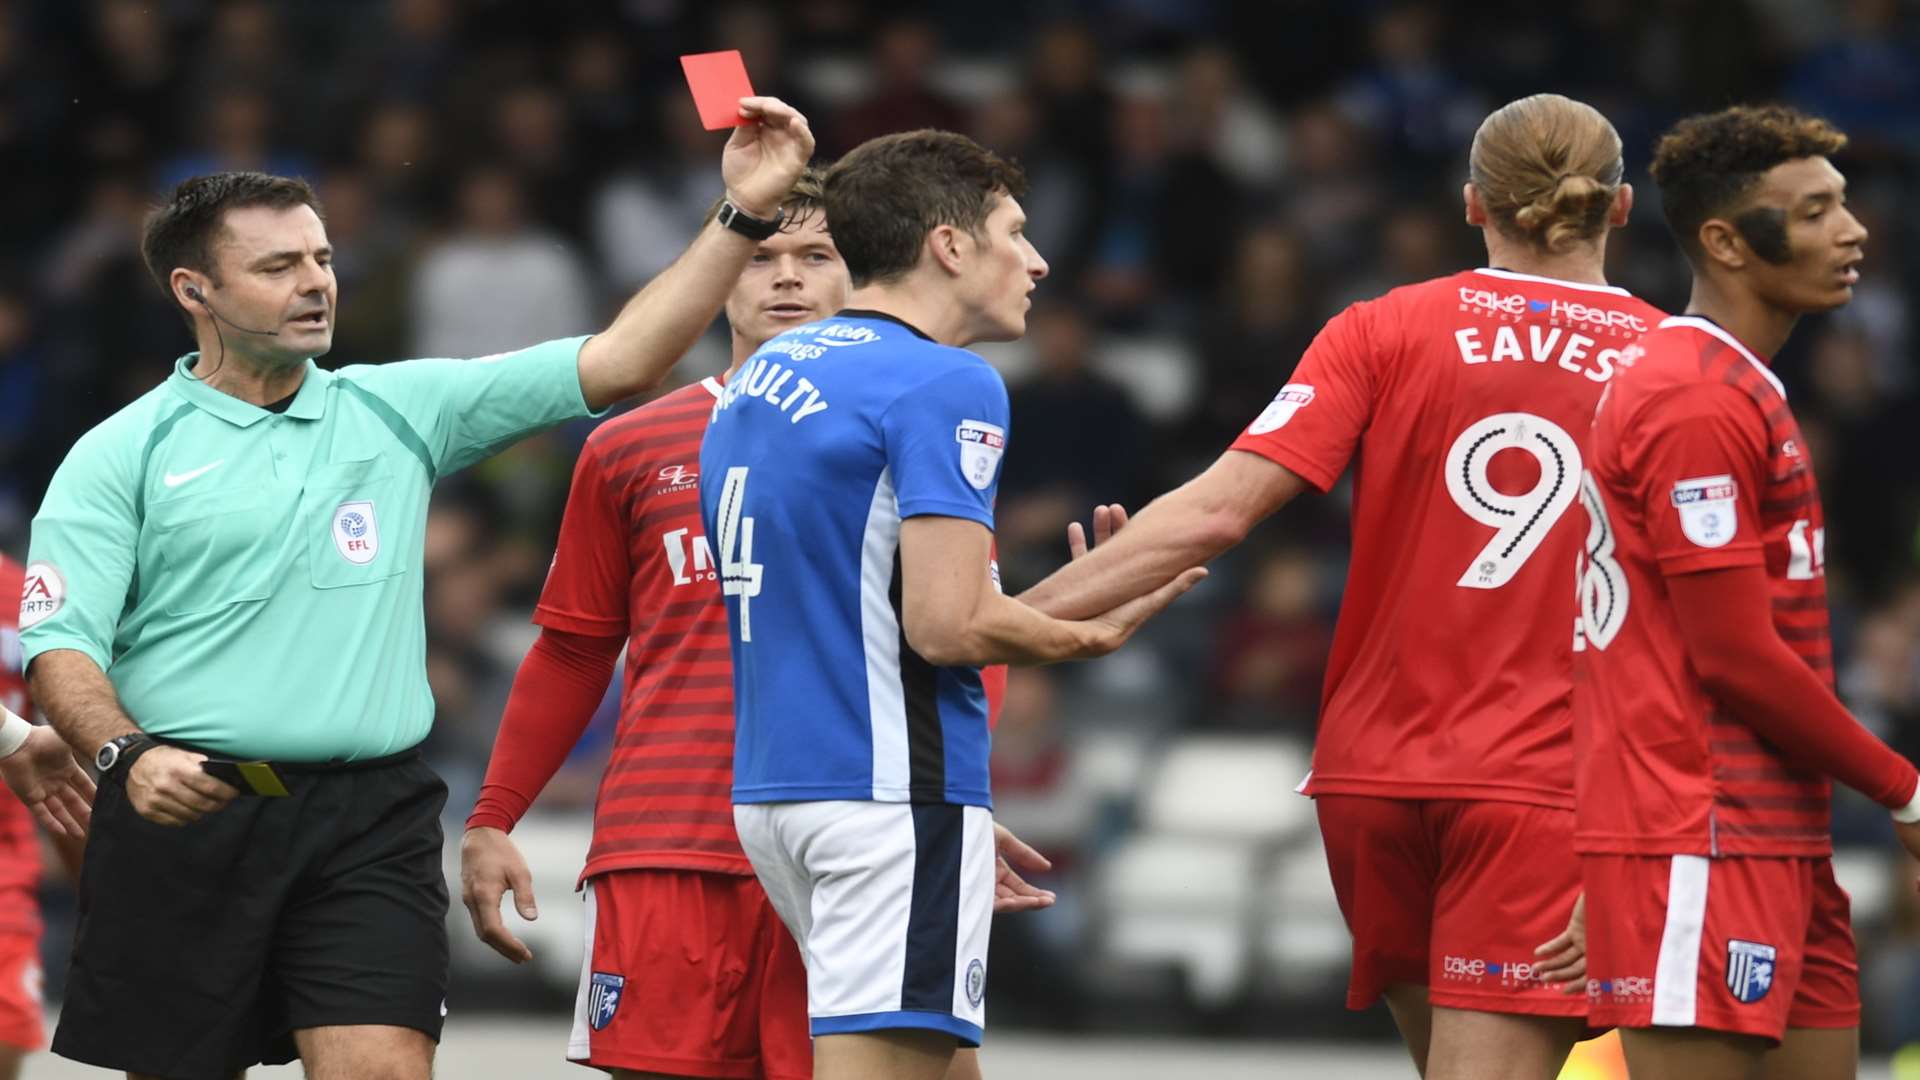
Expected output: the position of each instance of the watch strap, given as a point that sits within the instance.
(753, 228)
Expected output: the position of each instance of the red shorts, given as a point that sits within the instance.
(690, 973)
(1453, 895)
(20, 1002)
(1751, 944)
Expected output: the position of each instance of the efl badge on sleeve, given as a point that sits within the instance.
(1291, 399)
(603, 998)
(355, 532)
(981, 445)
(1707, 513)
(1749, 969)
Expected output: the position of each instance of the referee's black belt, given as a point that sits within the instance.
(297, 768)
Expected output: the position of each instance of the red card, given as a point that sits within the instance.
(718, 81)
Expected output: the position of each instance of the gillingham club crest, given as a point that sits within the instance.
(603, 998)
(1749, 970)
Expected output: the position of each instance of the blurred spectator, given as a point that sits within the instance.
(1881, 683)
(234, 126)
(497, 283)
(372, 260)
(1865, 78)
(1412, 103)
(531, 137)
(1271, 651)
(134, 82)
(601, 98)
(1168, 214)
(1251, 340)
(1334, 188)
(644, 216)
(1417, 243)
(397, 148)
(1064, 79)
(21, 365)
(1231, 126)
(1078, 440)
(902, 99)
(409, 59)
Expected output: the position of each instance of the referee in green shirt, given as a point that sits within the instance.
(223, 608)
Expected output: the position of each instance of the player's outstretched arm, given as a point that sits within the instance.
(1186, 527)
(760, 164)
(954, 617)
(1726, 620)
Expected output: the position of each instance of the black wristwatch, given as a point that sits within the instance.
(120, 754)
(753, 228)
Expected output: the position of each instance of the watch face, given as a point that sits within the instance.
(108, 754)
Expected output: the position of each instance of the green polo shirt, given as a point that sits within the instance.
(251, 581)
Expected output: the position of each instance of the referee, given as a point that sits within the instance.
(225, 587)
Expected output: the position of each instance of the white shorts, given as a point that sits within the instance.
(890, 903)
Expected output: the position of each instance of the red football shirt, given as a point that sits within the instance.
(19, 846)
(633, 559)
(1697, 464)
(1464, 402)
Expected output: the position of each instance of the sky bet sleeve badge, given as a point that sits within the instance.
(981, 444)
(603, 1000)
(1707, 513)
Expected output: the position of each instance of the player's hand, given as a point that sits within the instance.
(167, 786)
(53, 785)
(1107, 520)
(490, 865)
(1111, 630)
(765, 156)
(1011, 892)
(1563, 960)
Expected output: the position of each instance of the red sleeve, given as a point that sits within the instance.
(1313, 425)
(554, 694)
(1726, 620)
(1700, 455)
(587, 586)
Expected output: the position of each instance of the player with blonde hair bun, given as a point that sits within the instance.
(1443, 771)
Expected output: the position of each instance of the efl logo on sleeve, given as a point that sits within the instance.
(981, 445)
(1707, 513)
(44, 594)
(1291, 399)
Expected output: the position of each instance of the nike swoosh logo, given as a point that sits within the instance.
(176, 479)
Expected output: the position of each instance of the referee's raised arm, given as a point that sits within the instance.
(762, 160)
(225, 605)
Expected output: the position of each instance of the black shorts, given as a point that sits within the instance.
(201, 949)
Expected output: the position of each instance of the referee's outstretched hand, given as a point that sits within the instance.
(53, 785)
(765, 156)
(167, 786)
(490, 865)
